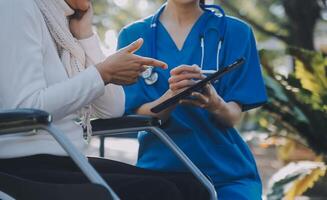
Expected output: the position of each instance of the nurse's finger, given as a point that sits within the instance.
(136, 45)
(185, 69)
(177, 78)
(150, 62)
(182, 84)
(200, 97)
(189, 102)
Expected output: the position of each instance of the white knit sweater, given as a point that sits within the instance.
(32, 76)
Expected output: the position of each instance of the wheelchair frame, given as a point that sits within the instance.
(22, 120)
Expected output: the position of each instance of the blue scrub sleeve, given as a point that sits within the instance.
(134, 93)
(245, 85)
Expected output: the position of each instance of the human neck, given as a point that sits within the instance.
(182, 14)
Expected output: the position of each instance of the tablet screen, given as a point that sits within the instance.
(197, 87)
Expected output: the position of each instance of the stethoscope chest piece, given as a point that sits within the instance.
(149, 76)
(147, 73)
(152, 79)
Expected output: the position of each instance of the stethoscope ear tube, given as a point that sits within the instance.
(221, 34)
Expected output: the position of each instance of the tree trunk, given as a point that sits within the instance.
(303, 15)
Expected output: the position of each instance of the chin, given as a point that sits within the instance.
(83, 5)
(184, 1)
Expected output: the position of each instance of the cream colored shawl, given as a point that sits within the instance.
(72, 55)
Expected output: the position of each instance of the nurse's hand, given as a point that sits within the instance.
(208, 100)
(226, 113)
(183, 77)
(177, 84)
(124, 67)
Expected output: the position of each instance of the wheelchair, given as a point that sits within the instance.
(23, 120)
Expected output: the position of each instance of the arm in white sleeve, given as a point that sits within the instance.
(22, 77)
(112, 103)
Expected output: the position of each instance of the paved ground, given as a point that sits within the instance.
(267, 163)
(120, 149)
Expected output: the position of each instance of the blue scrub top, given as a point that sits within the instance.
(218, 151)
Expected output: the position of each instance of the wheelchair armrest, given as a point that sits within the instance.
(22, 118)
(125, 122)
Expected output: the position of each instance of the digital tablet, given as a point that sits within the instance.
(197, 87)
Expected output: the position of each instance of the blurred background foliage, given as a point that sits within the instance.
(291, 22)
(297, 103)
(292, 39)
(295, 78)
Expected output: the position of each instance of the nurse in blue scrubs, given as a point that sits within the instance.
(194, 40)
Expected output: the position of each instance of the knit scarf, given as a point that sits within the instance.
(71, 53)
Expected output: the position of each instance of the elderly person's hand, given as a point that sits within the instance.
(124, 67)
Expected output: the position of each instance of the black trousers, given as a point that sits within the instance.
(129, 182)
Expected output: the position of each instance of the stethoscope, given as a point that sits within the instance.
(150, 76)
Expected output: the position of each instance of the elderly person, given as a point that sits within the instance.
(51, 60)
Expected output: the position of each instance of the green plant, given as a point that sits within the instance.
(298, 102)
